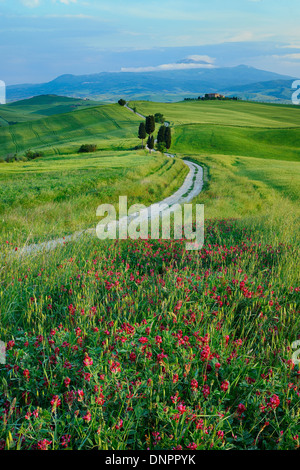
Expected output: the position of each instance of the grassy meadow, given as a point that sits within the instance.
(58, 194)
(55, 196)
(121, 345)
(108, 126)
(39, 107)
(231, 128)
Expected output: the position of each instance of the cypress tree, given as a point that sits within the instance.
(161, 147)
(150, 124)
(150, 143)
(142, 133)
(168, 137)
(161, 134)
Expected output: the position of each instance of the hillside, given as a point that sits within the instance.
(141, 344)
(272, 91)
(106, 125)
(57, 195)
(39, 107)
(155, 86)
(231, 128)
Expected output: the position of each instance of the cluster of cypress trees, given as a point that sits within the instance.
(164, 137)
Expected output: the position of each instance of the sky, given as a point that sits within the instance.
(42, 39)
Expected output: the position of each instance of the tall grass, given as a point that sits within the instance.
(231, 128)
(54, 197)
(138, 345)
(142, 344)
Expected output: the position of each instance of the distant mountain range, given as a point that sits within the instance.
(168, 85)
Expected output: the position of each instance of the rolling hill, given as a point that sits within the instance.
(101, 331)
(169, 85)
(272, 91)
(107, 125)
(213, 127)
(231, 128)
(39, 107)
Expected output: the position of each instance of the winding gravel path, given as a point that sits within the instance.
(191, 187)
(166, 123)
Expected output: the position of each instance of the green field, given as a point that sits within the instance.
(241, 187)
(37, 196)
(58, 195)
(141, 344)
(39, 107)
(227, 113)
(231, 128)
(109, 126)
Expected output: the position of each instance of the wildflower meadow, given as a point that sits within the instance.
(137, 345)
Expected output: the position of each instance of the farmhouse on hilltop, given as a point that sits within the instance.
(214, 95)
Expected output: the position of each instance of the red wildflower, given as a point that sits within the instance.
(274, 402)
(225, 385)
(44, 444)
(87, 417)
(88, 361)
(240, 409)
(192, 446)
(143, 340)
(194, 384)
(55, 402)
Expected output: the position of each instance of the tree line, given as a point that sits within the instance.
(164, 136)
(147, 127)
(206, 97)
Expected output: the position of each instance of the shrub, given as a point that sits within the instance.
(159, 117)
(87, 148)
(11, 157)
(30, 155)
(122, 102)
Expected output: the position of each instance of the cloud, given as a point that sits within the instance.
(79, 16)
(36, 3)
(192, 61)
(288, 56)
(165, 67)
(65, 2)
(242, 37)
(162, 11)
(31, 3)
(200, 58)
(289, 46)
